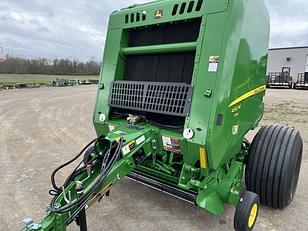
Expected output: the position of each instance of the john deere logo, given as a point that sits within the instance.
(158, 14)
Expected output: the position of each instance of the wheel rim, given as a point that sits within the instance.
(253, 215)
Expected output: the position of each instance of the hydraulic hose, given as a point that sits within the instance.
(52, 178)
(105, 169)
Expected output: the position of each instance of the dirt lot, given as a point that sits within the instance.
(40, 128)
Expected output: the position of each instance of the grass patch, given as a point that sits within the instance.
(37, 79)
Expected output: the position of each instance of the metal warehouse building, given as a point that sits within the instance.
(292, 59)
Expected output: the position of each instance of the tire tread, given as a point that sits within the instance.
(271, 163)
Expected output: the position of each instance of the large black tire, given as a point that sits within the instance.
(273, 165)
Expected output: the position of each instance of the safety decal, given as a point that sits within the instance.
(171, 144)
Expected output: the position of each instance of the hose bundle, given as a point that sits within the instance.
(106, 163)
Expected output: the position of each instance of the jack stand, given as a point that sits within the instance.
(81, 219)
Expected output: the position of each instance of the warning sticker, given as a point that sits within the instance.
(213, 63)
(132, 145)
(111, 127)
(129, 147)
(171, 144)
(140, 140)
(125, 150)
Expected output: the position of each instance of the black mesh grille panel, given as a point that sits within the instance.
(167, 67)
(163, 98)
(187, 31)
(160, 68)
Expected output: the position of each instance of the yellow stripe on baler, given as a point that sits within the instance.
(202, 158)
(248, 95)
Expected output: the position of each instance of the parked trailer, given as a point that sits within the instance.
(27, 85)
(61, 82)
(84, 82)
(280, 79)
(302, 81)
(22, 85)
(182, 83)
(93, 81)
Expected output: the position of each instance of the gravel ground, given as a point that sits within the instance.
(40, 128)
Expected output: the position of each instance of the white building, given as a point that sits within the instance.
(295, 58)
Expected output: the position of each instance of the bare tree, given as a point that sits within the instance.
(13, 65)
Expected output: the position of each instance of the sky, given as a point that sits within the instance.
(77, 29)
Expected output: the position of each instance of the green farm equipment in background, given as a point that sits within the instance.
(181, 84)
(8, 86)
